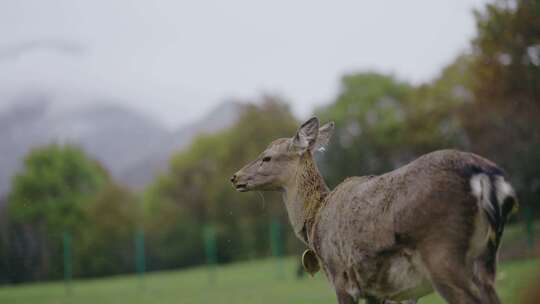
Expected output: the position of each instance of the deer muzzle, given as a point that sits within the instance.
(238, 184)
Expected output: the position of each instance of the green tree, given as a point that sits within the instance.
(433, 119)
(105, 237)
(196, 191)
(47, 198)
(383, 123)
(502, 122)
(370, 114)
(4, 245)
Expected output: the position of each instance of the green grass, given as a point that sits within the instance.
(266, 281)
(517, 231)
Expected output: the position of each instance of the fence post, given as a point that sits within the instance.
(67, 262)
(276, 245)
(210, 246)
(529, 227)
(140, 258)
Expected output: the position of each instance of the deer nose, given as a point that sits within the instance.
(233, 178)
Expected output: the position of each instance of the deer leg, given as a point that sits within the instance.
(452, 276)
(487, 287)
(485, 271)
(489, 294)
(344, 298)
(372, 300)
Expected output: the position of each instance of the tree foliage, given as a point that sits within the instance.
(103, 243)
(502, 121)
(53, 187)
(47, 199)
(383, 123)
(196, 192)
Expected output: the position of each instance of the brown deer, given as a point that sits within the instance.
(433, 224)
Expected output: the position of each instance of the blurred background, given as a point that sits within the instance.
(121, 121)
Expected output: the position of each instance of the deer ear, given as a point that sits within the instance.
(306, 136)
(325, 133)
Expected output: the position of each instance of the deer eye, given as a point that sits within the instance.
(266, 159)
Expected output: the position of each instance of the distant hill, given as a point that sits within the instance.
(133, 147)
(147, 168)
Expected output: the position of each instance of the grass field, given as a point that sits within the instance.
(258, 282)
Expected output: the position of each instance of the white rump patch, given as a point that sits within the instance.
(504, 189)
(481, 188)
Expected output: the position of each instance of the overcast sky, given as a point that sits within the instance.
(177, 59)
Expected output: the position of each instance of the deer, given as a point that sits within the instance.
(432, 225)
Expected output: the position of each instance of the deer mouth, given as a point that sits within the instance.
(241, 187)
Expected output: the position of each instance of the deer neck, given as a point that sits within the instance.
(304, 196)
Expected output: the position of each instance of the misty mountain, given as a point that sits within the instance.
(132, 146)
(146, 169)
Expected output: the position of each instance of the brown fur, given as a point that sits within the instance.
(425, 206)
(314, 188)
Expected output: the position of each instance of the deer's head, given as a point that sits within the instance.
(276, 166)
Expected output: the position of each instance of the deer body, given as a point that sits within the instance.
(434, 224)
